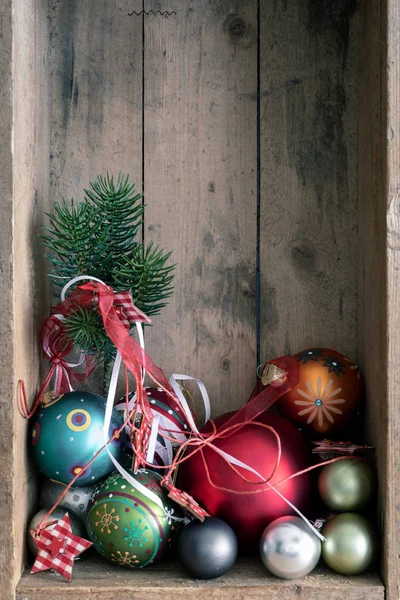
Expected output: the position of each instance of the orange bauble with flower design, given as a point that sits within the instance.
(328, 394)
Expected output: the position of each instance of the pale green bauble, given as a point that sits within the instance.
(350, 545)
(347, 485)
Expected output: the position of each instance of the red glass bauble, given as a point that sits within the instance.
(256, 446)
(328, 393)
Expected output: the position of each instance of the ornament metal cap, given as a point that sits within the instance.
(271, 373)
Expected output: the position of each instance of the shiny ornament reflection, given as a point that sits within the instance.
(127, 526)
(328, 394)
(289, 548)
(347, 485)
(76, 499)
(66, 434)
(207, 550)
(350, 544)
(257, 447)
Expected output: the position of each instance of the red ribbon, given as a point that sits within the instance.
(57, 345)
(132, 354)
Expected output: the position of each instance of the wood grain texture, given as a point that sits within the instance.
(6, 302)
(390, 131)
(373, 321)
(31, 199)
(200, 178)
(308, 212)
(96, 93)
(247, 580)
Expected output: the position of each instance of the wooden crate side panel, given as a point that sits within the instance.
(373, 288)
(6, 303)
(31, 198)
(308, 204)
(390, 132)
(200, 188)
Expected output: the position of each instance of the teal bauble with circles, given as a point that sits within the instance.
(68, 431)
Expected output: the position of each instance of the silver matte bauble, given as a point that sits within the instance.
(289, 548)
(76, 499)
(78, 527)
(207, 550)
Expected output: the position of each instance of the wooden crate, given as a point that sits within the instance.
(265, 136)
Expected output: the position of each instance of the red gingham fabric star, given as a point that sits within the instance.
(58, 547)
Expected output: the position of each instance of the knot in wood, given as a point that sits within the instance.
(225, 365)
(236, 29)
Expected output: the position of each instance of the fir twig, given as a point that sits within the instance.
(97, 237)
(85, 328)
(75, 239)
(146, 273)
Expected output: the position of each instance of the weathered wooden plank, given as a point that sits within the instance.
(7, 563)
(200, 163)
(96, 92)
(248, 579)
(373, 242)
(390, 419)
(31, 197)
(308, 216)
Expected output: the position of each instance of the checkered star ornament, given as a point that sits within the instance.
(58, 547)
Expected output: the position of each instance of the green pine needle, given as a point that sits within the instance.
(146, 273)
(85, 328)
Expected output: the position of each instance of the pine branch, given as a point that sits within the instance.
(119, 209)
(75, 241)
(146, 273)
(96, 237)
(85, 328)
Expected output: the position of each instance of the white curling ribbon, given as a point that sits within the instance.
(110, 404)
(153, 438)
(239, 463)
(75, 280)
(107, 422)
(206, 400)
(164, 424)
(230, 458)
(139, 329)
(188, 414)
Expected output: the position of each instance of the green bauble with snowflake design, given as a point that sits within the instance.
(126, 526)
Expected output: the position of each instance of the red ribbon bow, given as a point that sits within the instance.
(57, 345)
